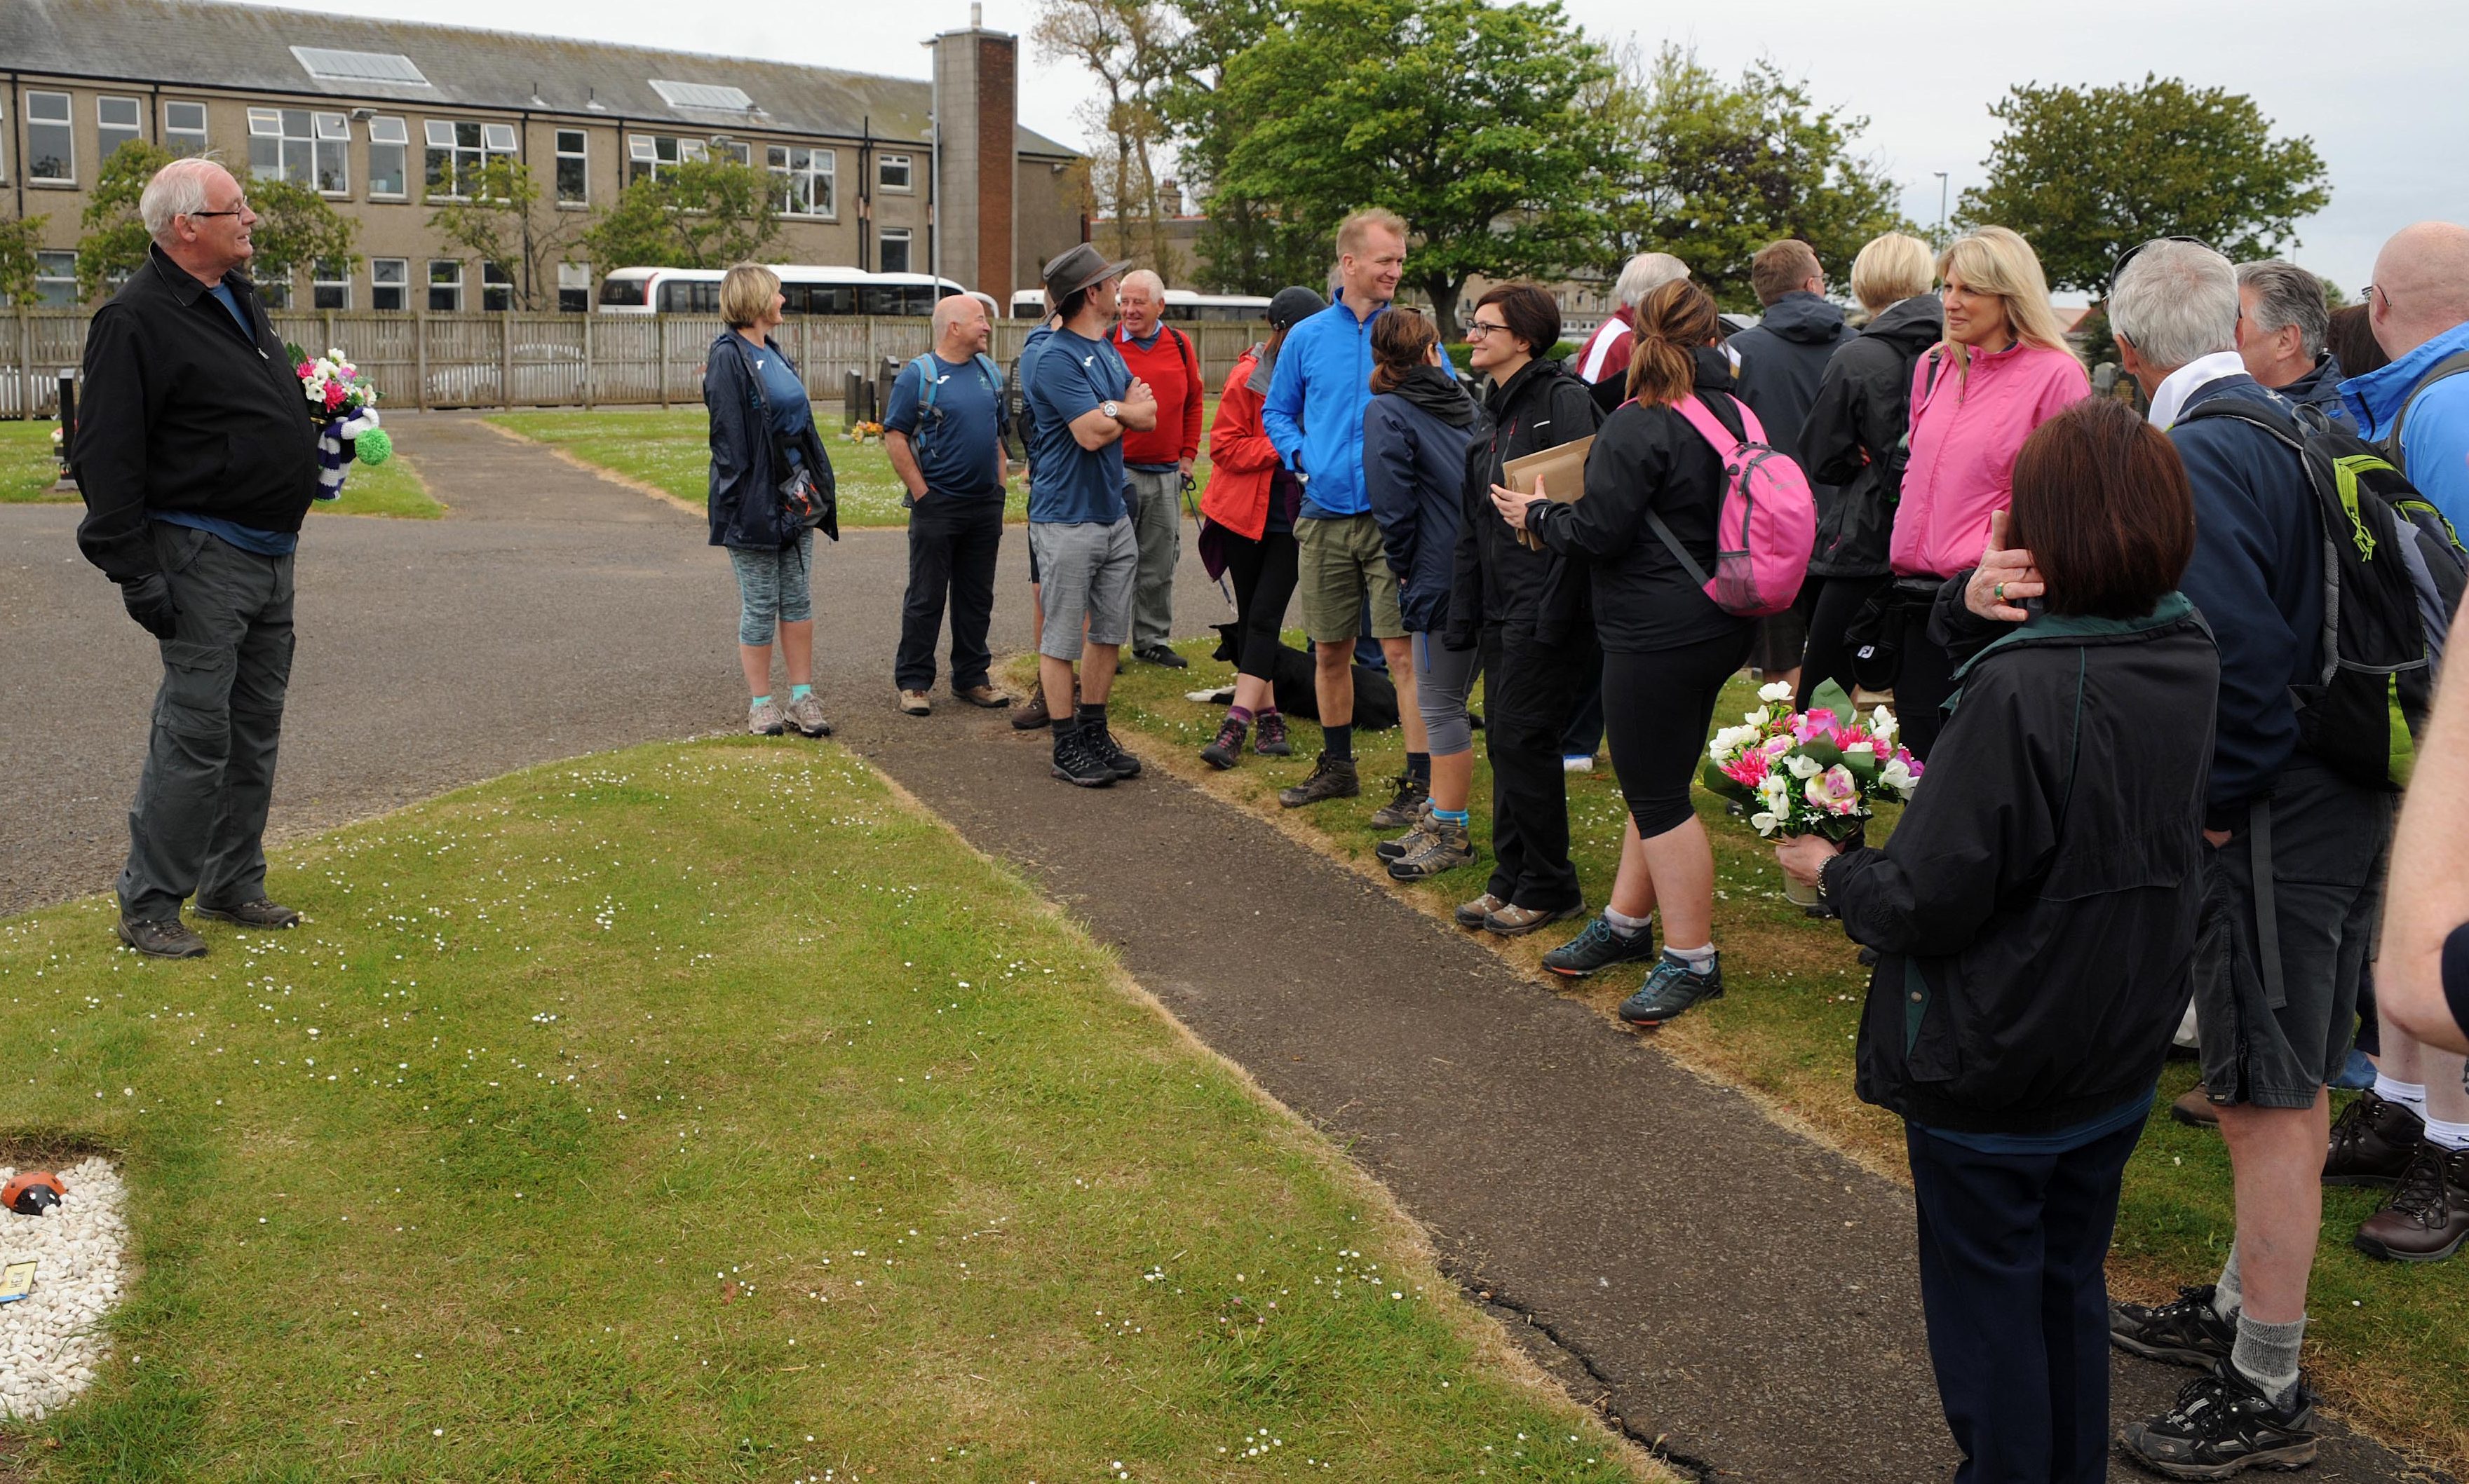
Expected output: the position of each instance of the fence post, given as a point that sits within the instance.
(330, 328)
(590, 366)
(662, 374)
(25, 361)
(506, 360)
(420, 355)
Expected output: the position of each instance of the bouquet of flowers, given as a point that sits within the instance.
(1810, 772)
(866, 433)
(345, 405)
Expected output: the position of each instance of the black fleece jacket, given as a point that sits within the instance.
(185, 412)
(2034, 912)
(1854, 442)
(1496, 581)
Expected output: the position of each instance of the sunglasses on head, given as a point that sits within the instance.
(2123, 259)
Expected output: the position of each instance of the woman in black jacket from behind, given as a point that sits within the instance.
(1525, 611)
(2034, 915)
(1667, 647)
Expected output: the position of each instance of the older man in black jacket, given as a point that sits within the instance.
(197, 459)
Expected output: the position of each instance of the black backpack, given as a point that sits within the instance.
(2393, 572)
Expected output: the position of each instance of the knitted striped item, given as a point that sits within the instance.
(331, 460)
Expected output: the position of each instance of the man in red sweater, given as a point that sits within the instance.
(1158, 462)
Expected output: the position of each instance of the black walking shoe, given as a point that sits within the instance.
(2223, 1424)
(1228, 749)
(1097, 739)
(1414, 795)
(2185, 1331)
(1160, 654)
(1271, 743)
(1077, 763)
(1671, 987)
(1331, 778)
(1599, 948)
(161, 937)
(260, 913)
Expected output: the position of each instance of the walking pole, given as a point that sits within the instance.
(1190, 484)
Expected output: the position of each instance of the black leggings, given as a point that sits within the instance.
(1264, 582)
(1836, 603)
(1922, 686)
(1657, 707)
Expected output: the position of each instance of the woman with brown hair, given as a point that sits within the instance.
(1654, 487)
(2034, 915)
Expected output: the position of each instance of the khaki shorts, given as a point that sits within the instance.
(1340, 562)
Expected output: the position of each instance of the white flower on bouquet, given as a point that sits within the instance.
(1881, 725)
(1775, 691)
(1898, 776)
(1763, 823)
(1803, 765)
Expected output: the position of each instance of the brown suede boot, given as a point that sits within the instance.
(2373, 1142)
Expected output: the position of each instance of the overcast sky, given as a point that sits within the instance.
(2376, 86)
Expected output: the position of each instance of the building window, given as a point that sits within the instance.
(274, 293)
(648, 154)
(304, 147)
(329, 286)
(892, 172)
(894, 253)
(55, 279)
(574, 288)
(802, 180)
(457, 153)
(389, 283)
(445, 286)
(49, 153)
(389, 144)
(496, 288)
(573, 162)
(116, 123)
(184, 128)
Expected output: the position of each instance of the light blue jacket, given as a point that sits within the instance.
(1314, 414)
(2435, 439)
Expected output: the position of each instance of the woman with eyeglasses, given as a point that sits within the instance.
(2003, 369)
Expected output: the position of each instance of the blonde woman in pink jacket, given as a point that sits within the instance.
(2003, 369)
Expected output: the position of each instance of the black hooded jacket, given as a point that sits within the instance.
(1782, 359)
(1854, 442)
(1496, 580)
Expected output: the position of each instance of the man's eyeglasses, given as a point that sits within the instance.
(2368, 297)
(2123, 259)
(1476, 330)
(241, 209)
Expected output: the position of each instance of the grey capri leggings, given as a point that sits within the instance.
(773, 587)
(1443, 679)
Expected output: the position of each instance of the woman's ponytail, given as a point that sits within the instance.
(1672, 321)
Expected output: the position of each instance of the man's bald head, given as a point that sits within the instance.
(2421, 285)
(961, 329)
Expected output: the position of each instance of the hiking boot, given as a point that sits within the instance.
(2195, 1108)
(1599, 948)
(2185, 1331)
(2428, 1215)
(984, 694)
(2373, 1142)
(2222, 1424)
(1409, 842)
(1031, 717)
(805, 715)
(1271, 743)
(766, 719)
(1098, 740)
(272, 915)
(1413, 796)
(161, 937)
(1077, 763)
(1445, 848)
(1160, 654)
(1475, 913)
(1511, 921)
(1331, 778)
(1671, 988)
(913, 703)
(1227, 750)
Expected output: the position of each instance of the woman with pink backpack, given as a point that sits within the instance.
(1691, 528)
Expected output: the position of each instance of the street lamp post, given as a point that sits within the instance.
(1941, 207)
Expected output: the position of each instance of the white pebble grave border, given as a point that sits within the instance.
(51, 1340)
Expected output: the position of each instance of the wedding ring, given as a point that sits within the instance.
(2002, 592)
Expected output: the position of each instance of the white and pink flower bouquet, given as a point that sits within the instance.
(1811, 772)
(345, 405)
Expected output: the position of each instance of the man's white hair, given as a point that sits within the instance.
(2176, 303)
(177, 189)
(1643, 274)
(1156, 285)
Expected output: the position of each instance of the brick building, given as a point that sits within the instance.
(382, 116)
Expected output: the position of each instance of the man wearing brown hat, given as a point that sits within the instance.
(1083, 398)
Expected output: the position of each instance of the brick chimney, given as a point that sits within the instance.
(976, 87)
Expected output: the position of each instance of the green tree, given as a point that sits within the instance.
(18, 241)
(1247, 245)
(1132, 47)
(295, 226)
(2086, 172)
(704, 214)
(500, 219)
(114, 242)
(1712, 171)
(1461, 116)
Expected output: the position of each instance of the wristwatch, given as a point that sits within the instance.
(1113, 410)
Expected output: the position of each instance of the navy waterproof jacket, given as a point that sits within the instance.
(747, 468)
(1413, 473)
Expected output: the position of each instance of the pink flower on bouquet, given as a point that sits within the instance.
(1834, 791)
(1748, 769)
(1814, 724)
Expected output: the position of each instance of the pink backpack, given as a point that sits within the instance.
(1768, 524)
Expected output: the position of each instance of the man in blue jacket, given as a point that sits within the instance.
(1314, 419)
(2292, 880)
(2419, 305)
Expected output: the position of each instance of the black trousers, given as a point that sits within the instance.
(2011, 1287)
(1264, 584)
(1922, 686)
(1658, 705)
(953, 543)
(1531, 692)
(1833, 602)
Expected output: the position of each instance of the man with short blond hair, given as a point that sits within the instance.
(1158, 462)
(944, 430)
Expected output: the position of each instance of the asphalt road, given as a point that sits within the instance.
(1705, 1274)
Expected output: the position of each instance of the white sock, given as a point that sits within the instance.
(2447, 1136)
(2409, 1095)
(1699, 960)
(1625, 925)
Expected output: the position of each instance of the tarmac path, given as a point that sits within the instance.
(1709, 1277)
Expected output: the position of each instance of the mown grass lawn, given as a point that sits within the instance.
(705, 1111)
(28, 473)
(27, 469)
(2386, 1341)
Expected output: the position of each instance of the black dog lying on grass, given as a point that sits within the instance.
(1375, 694)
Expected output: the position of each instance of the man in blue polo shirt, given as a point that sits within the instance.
(1082, 398)
(947, 448)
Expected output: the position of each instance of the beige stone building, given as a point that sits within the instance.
(384, 117)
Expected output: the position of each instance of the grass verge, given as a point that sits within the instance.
(27, 469)
(394, 488)
(2385, 1341)
(708, 1111)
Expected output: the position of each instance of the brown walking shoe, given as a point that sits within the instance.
(1331, 778)
(912, 704)
(1473, 914)
(2426, 1217)
(985, 694)
(1411, 841)
(1515, 922)
(1034, 714)
(2373, 1142)
(1445, 848)
(161, 937)
(2195, 1109)
(260, 913)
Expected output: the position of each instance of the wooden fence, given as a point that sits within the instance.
(549, 360)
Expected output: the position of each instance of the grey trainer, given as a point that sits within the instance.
(806, 715)
(766, 719)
